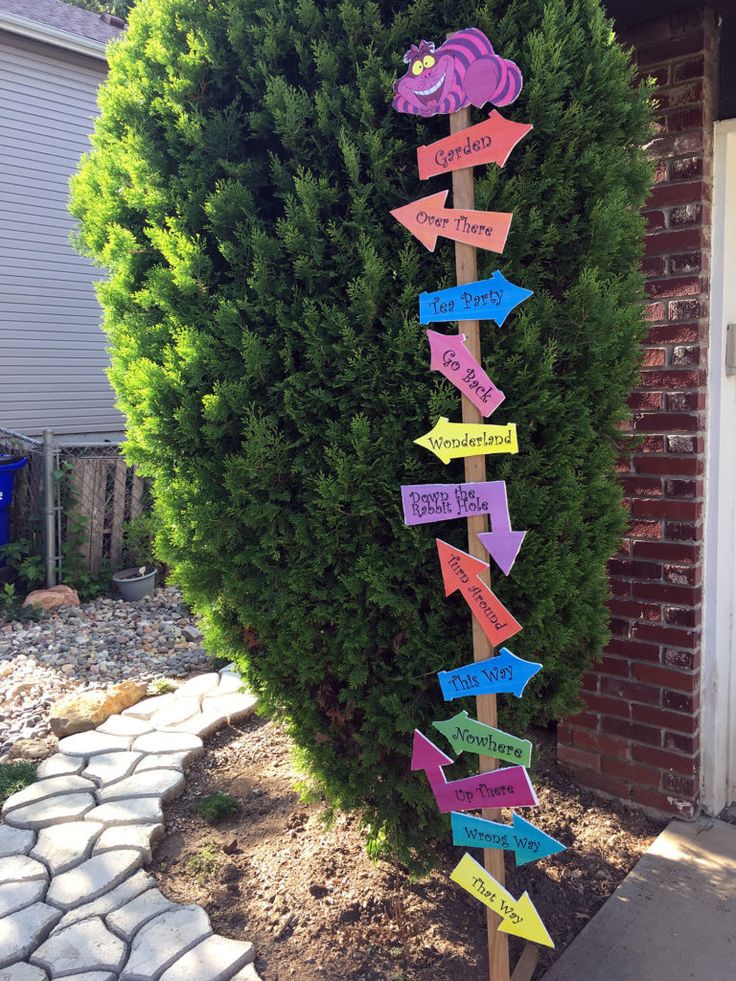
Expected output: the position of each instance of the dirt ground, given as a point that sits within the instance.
(316, 907)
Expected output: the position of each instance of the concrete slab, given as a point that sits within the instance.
(671, 919)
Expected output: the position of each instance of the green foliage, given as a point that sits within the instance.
(11, 605)
(120, 8)
(23, 558)
(217, 807)
(161, 686)
(262, 308)
(14, 777)
(139, 541)
(205, 863)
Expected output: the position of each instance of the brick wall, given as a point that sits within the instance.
(638, 738)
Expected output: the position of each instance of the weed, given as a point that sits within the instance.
(204, 864)
(14, 777)
(161, 686)
(217, 807)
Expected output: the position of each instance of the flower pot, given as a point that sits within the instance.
(134, 584)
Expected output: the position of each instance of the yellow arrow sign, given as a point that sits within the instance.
(449, 440)
(519, 918)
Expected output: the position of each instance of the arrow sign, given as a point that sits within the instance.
(462, 571)
(428, 218)
(449, 440)
(424, 503)
(489, 142)
(486, 299)
(468, 735)
(520, 918)
(501, 542)
(526, 841)
(504, 673)
(509, 787)
(451, 358)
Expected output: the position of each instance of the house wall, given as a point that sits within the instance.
(52, 351)
(638, 737)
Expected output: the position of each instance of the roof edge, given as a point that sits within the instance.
(15, 24)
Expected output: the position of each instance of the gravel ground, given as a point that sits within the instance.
(90, 647)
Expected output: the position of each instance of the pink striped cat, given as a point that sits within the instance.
(463, 71)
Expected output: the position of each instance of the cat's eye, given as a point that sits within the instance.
(428, 61)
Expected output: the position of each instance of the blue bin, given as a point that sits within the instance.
(9, 465)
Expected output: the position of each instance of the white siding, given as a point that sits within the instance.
(52, 351)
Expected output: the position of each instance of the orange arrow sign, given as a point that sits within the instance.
(428, 218)
(489, 142)
(462, 571)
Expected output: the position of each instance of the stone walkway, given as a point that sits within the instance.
(75, 902)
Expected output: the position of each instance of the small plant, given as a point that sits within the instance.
(204, 864)
(11, 607)
(139, 541)
(217, 807)
(14, 777)
(25, 561)
(161, 686)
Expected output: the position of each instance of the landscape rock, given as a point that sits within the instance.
(127, 920)
(164, 940)
(60, 849)
(136, 885)
(166, 784)
(138, 810)
(215, 959)
(110, 767)
(59, 765)
(94, 744)
(16, 895)
(83, 711)
(85, 946)
(199, 686)
(28, 749)
(15, 841)
(51, 810)
(92, 878)
(52, 598)
(140, 836)
(21, 868)
(23, 972)
(22, 932)
(168, 742)
(125, 725)
(70, 783)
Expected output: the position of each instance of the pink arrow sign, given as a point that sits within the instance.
(507, 787)
(450, 357)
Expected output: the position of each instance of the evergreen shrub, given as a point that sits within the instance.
(262, 309)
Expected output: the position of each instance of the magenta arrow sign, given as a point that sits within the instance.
(507, 787)
(450, 357)
(424, 503)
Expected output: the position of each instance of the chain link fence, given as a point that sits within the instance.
(71, 505)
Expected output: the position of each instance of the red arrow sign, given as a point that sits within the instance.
(462, 571)
(489, 142)
(428, 218)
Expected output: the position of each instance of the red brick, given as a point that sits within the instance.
(684, 401)
(619, 627)
(589, 682)
(637, 773)
(681, 532)
(619, 587)
(667, 551)
(652, 357)
(646, 570)
(647, 508)
(686, 660)
(668, 465)
(653, 220)
(692, 68)
(667, 49)
(630, 690)
(632, 730)
(686, 262)
(645, 529)
(684, 95)
(619, 667)
(657, 801)
(682, 617)
(672, 379)
(684, 119)
(663, 718)
(682, 575)
(658, 634)
(668, 593)
(673, 334)
(603, 784)
(684, 192)
(683, 444)
(681, 488)
(665, 677)
(674, 286)
(655, 311)
(629, 648)
(564, 734)
(584, 720)
(666, 422)
(686, 215)
(686, 168)
(680, 743)
(678, 783)
(578, 757)
(680, 702)
(608, 707)
(652, 443)
(676, 144)
(666, 242)
(663, 759)
(600, 743)
(634, 611)
(654, 266)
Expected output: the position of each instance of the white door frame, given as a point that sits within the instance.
(718, 713)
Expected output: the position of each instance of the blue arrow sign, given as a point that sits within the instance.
(488, 299)
(526, 841)
(503, 673)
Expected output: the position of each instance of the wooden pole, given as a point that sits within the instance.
(466, 266)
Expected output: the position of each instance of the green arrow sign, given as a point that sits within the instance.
(470, 736)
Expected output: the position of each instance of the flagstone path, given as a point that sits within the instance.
(75, 902)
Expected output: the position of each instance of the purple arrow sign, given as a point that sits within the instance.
(450, 357)
(507, 787)
(424, 503)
